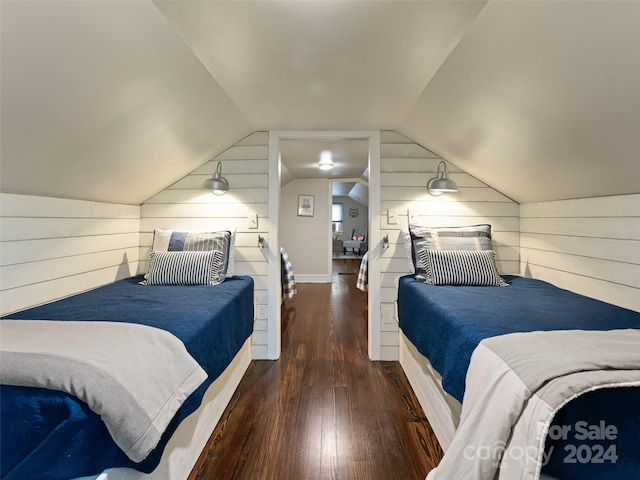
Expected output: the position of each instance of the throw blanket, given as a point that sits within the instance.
(515, 385)
(134, 376)
(362, 281)
(288, 280)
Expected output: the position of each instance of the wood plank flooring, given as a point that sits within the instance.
(323, 410)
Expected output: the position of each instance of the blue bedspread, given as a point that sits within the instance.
(51, 435)
(446, 323)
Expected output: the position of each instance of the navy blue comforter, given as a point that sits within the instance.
(51, 435)
(446, 323)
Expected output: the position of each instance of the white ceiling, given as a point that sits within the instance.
(114, 101)
(103, 101)
(322, 65)
(541, 100)
(301, 157)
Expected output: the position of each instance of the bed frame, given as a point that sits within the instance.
(442, 410)
(190, 438)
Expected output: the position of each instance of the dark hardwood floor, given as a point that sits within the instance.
(323, 410)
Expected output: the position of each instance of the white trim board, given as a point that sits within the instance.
(442, 410)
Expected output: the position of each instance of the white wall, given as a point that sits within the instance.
(349, 223)
(307, 239)
(185, 205)
(405, 169)
(52, 248)
(590, 246)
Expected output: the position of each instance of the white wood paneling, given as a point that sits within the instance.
(238, 180)
(31, 228)
(250, 195)
(405, 170)
(52, 248)
(148, 224)
(400, 179)
(418, 192)
(19, 275)
(221, 210)
(24, 206)
(243, 239)
(23, 251)
(185, 205)
(590, 246)
(38, 293)
(237, 166)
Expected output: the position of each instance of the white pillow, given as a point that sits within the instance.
(408, 246)
(231, 261)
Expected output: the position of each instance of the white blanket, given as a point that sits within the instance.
(134, 376)
(514, 386)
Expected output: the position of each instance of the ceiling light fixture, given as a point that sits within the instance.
(441, 183)
(326, 160)
(218, 184)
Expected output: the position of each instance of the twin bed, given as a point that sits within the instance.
(520, 381)
(50, 433)
(442, 327)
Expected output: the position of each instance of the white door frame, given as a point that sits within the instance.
(274, 288)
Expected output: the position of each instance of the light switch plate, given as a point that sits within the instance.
(253, 220)
(387, 312)
(392, 216)
(261, 312)
(413, 217)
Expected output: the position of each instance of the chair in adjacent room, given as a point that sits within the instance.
(359, 241)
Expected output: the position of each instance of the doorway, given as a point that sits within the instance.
(276, 172)
(349, 218)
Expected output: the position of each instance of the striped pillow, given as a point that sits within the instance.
(186, 268)
(471, 237)
(461, 267)
(177, 241)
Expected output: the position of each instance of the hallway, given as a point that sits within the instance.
(323, 410)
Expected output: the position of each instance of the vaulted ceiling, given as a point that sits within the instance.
(113, 101)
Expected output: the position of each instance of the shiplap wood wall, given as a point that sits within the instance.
(405, 169)
(590, 246)
(185, 205)
(52, 248)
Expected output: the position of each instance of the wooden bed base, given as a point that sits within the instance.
(188, 441)
(442, 410)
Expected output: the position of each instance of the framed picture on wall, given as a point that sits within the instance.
(305, 205)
